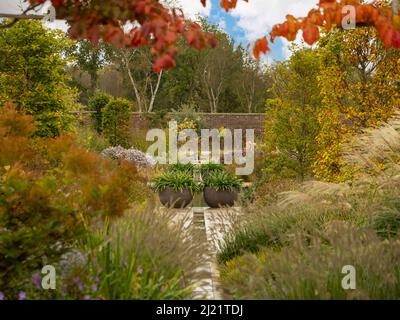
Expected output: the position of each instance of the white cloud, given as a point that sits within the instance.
(11, 6)
(192, 8)
(257, 17)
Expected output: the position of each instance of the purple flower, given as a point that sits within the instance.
(37, 280)
(22, 295)
(87, 297)
(97, 279)
(80, 286)
(94, 288)
(63, 291)
(2, 296)
(79, 283)
(77, 280)
(140, 271)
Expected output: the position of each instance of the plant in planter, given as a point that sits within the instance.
(221, 189)
(184, 168)
(210, 168)
(175, 189)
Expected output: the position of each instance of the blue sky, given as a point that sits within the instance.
(252, 19)
(230, 24)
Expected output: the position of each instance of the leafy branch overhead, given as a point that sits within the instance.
(137, 23)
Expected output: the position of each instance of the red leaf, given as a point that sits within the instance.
(163, 63)
(261, 46)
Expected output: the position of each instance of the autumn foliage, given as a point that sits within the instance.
(49, 189)
(153, 24)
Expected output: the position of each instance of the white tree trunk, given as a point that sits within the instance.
(133, 83)
(154, 92)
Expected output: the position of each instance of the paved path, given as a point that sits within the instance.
(212, 224)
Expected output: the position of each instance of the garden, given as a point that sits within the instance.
(122, 156)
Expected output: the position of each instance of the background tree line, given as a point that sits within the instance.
(224, 79)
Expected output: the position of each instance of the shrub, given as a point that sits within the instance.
(116, 122)
(158, 119)
(90, 139)
(32, 75)
(97, 103)
(187, 118)
(138, 158)
(49, 187)
(138, 140)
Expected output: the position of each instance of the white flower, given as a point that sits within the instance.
(137, 157)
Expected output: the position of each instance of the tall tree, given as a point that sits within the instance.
(90, 59)
(359, 89)
(292, 113)
(251, 84)
(136, 66)
(32, 75)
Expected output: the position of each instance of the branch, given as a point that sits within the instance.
(23, 15)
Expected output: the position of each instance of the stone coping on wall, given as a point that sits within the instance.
(231, 121)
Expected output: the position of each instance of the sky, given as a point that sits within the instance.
(249, 21)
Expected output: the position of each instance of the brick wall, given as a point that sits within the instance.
(214, 121)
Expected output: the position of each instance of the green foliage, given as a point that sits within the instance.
(311, 267)
(187, 168)
(90, 139)
(292, 114)
(387, 219)
(49, 187)
(313, 232)
(188, 118)
(223, 79)
(158, 119)
(176, 181)
(116, 122)
(222, 181)
(274, 230)
(281, 166)
(97, 103)
(90, 59)
(210, 168)
(137, 140)
(358, 89)
(134, 262)
(32, 75)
